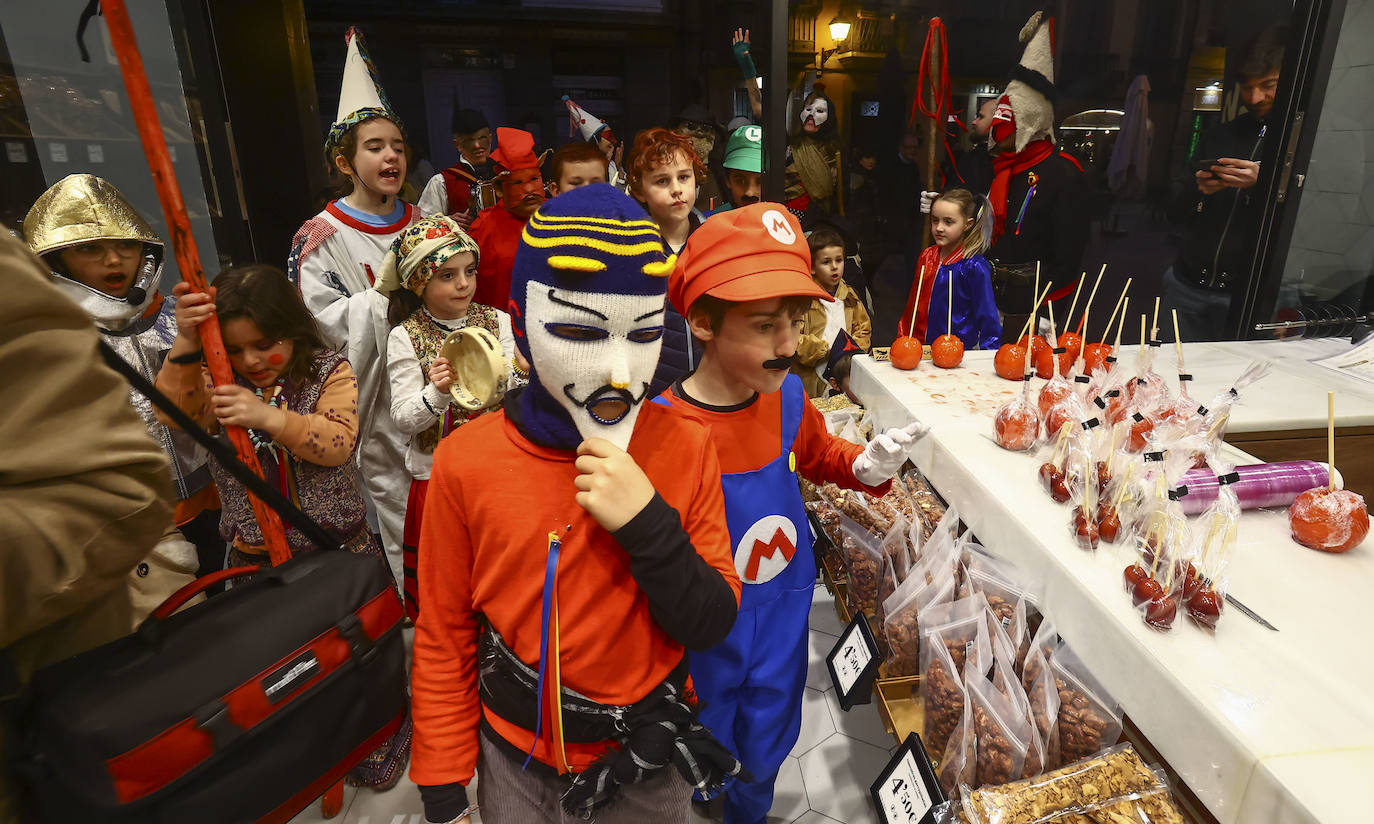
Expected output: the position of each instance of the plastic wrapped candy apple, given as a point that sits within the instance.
(1331, 520)
(1069, 410)
(905, 352)
(1071, 343)
(1095, 356)
(1204, 578)
(1010, 362)
(1051, 362)
(1141, 427)
(1016, 425)
(1084, 525)
(1055, 390)
(1053, 474)
(947, 351)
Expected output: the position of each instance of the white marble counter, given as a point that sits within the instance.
(1264, 726)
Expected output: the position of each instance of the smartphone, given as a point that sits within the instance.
(1205, 165)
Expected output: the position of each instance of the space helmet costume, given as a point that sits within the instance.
(82, 208)
(587, 302)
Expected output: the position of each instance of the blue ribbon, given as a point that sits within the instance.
(550, 576)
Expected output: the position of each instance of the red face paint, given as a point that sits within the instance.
(276, 359)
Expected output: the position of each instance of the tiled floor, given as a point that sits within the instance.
(825, 779)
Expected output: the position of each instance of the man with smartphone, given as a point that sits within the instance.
(1219, 205)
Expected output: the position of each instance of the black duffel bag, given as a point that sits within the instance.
(246, 707)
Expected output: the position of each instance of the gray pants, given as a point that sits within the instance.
(1202, 312)
(508, 795)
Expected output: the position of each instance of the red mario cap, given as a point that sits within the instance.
(751, 253)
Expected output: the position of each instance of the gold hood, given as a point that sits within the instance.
(83, 207)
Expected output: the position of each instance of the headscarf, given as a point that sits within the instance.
(418, 252)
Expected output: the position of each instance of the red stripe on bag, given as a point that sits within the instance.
(171, 754)
(290, 808)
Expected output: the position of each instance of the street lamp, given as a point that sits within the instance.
(839, 32)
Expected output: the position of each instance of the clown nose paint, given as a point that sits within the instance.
(276, 359)
(780, 363)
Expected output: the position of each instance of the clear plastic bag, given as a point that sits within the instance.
(1043, 698)
(1016, 426)
(1072, 789)
(941, 693)
(1205, 576)
(1089, 721)
(901, 628)
(1000, 741)
(1083, 520)
(863, 565)
(958, 765)
(1053, 456)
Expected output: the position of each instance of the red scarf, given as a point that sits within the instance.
(920, 303)
(1004, 167)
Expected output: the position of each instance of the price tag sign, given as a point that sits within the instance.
(853, 664)
(58, 152)
(95, 153)
(906, 791)
(16, 153)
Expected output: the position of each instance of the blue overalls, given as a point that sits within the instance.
(751, 684)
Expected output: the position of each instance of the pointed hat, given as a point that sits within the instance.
(1031, 91)
(587, 123)
(361, 95)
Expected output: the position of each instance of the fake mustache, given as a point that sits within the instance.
(780, 363)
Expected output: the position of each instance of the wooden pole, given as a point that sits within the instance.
(933, 139)
(144, 111)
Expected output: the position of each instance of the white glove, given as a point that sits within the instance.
(928, 200)
(886, 454)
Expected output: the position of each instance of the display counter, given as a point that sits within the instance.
(1262, 725)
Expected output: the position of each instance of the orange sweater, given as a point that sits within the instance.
(747, 438)
(493, 498)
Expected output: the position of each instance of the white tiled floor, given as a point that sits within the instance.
(824, 781)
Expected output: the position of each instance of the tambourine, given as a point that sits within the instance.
(479, 368)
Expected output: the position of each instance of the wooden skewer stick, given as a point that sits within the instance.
(1142, 340)
(1178, 342)
(1054, 335)
(1330, 441)
(1068, 319)
(1029, 343)
(1120, 323)
(1108, 329)
(1083, 321)
(949, 318)
(1035, 292)
(916, 304)
(1154, 322)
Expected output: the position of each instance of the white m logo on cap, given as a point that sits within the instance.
(776, 224)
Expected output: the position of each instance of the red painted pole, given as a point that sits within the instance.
(144, 111)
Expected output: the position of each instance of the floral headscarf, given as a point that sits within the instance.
(418, 252)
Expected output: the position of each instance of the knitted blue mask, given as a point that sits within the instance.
(587, 298)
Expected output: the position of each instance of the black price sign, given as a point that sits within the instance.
(853, 664)
(906, 791)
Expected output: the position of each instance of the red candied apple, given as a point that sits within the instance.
(1050, 395)
(1104, 476)
(1134, 574)
(1331, 520)
(1161, 611)
(1059, 489)
(947, 351)
(1039, 346)
(1016, 426)
(1141, 428)
(1059, 415)
(1146, 589)
(1072, 344)
(905, 352)
(1192, 582)
(1010, 361)
(1084, 529)
(1049, 473)
(1108, 523)
(1095, 356)
(1204, 607)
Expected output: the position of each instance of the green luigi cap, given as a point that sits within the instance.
(744, 150)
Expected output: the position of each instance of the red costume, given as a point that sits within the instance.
(497, 233)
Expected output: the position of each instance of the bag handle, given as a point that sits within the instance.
(226, 456)
(177, 599)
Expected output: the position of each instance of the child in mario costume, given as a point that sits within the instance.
(744, 283)
(573, 548)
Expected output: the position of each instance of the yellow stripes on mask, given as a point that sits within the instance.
(662, 268)
(575, 263)
(605, 221)
(617, 249)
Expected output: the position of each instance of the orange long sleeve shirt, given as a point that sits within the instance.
(493, 498)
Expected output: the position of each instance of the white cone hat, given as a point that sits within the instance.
(1031, 89)
(360, 95)
(589, 125)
